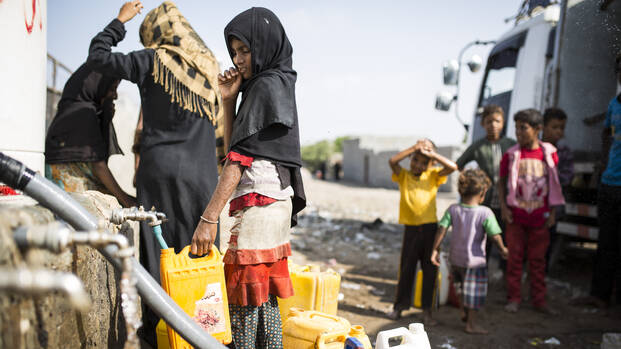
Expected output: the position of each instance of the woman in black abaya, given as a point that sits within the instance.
(177, 77)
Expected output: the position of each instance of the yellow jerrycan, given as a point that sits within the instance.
(307, 329)
(418, 288)
(162, 335)
(197, 285)
(312, 290)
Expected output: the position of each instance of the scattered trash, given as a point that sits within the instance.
(377, 223)
(538, 341)
(535, 341)
(361, 238)
(331, 262)
(448, 344)
(340, 297)
(350, 285)
(611, 341)
(377, 291)
(299, 245)
(361, 306)
(589, 310)
(552, 341)
(373, 255)
(317, 233)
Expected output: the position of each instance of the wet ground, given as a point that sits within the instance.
(337, 230)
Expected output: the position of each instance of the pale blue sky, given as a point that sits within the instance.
(364, 67)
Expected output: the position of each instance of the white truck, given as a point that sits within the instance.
(560, 56)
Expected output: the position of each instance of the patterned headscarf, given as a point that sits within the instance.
(183, 64)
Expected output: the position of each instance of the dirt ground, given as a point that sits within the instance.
(336, 231)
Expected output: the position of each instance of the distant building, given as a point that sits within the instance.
(365, 160)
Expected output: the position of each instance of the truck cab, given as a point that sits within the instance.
(562, 57)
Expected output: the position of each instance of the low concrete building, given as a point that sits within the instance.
(365, 160)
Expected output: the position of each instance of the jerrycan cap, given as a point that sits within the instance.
(356, 329)
(417, 328)
(314, 268)
(295, 312)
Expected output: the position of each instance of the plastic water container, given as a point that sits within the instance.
(313, 290)
(161, 332)
(307, 329)
(418, 288)
(413, 338)
(444, 278)
(197, 285)
(353, 343)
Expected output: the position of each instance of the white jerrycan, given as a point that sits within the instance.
(414, 338)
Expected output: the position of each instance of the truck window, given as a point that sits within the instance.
(498, 81)
(499, 78)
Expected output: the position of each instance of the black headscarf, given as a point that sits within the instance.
(268, 97)
(266, 124)
(82, 129)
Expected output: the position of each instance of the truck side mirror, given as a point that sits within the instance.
(444, 101)
(475, 63)
(450, 72)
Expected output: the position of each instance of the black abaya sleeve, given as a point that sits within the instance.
(134, 66)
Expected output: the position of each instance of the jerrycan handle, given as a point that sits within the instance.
(384, 336)
(214, 254)
(325, 339)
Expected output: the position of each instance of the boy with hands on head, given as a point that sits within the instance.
(417, 211)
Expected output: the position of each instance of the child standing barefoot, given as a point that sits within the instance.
(417, 211)
(472, 224)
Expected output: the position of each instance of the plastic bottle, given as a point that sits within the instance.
(353, 343)
(418, 331)
(414, 338)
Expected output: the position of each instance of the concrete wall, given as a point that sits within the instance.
(47, 321)
(377, 173)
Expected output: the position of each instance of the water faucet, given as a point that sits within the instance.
(38, 282)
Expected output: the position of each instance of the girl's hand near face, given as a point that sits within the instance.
(129, 10)
(229, 82)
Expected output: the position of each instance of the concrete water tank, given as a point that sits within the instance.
(23, 24)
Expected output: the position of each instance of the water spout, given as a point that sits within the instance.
(39, 282)
(57, 236)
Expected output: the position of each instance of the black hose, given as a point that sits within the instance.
(13, 173)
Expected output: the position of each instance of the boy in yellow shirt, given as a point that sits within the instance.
(417, 211)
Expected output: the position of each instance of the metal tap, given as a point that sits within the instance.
(39, 282)
(57, 236)
(121, 215)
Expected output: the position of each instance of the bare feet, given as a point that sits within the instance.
(475, 329)
(546, 310)
(512, 307)
(394, 315)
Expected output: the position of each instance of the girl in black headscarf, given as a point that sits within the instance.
(261, 174)
(81, 137)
